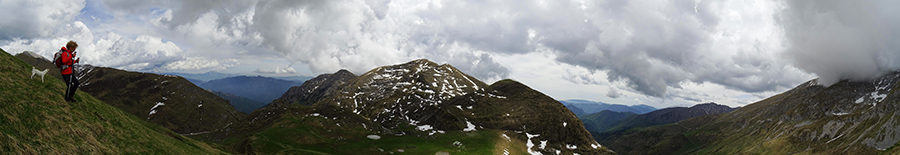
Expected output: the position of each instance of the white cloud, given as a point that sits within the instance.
(613, 93)
(144, 53)
(27, 19)
(277, 70)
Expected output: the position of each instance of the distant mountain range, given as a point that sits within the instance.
(199, 79)
(581, 107)
(246, 93)
(257, 88)
(203, 77)
(241, 104)
(607, 127)
(670, 115)
(603, 120)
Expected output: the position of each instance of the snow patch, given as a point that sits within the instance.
(543, 144)
(469, 126)
(860, 100)
(835, 138)
(840, 114)
(595, 146)
(529, 144)
(424, 127)
(878, 97)
(507, 137)
(373, 137)
(570, 146)
(153, 110)
(564, 124)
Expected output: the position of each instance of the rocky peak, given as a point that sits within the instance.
(317, 88)
(424, 80)
(405, 93)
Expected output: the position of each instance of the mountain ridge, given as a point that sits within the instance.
(170, 101)
(590, 107)
(241, 104)
(258, 88)
(848, 117)
(423, 99)
(36, 120)
(317, 88)
(670, 115)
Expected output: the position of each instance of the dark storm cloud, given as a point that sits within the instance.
(643, 48)
(855, 40)
(657, 45)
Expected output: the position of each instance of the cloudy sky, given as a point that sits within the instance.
(660, 53)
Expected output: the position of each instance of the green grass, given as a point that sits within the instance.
(302, 134)
(34, 119)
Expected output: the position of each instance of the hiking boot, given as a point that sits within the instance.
(70, 100)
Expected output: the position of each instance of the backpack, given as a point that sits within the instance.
(57, 60)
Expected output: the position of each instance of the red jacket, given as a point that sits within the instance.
(67, 57)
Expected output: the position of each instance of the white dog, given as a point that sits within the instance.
(39, 73)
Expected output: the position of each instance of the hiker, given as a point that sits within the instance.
(67, 71)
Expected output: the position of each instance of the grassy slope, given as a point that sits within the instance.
(137, 93)
(755, 128)
(603, 120)
(241, 104)
(299, 131)
(34, 119)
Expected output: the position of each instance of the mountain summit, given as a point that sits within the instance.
(420, 98)
(406, 93)
(317, 88)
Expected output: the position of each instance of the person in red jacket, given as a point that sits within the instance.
(67, 71)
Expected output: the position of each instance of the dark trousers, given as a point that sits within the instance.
(71, 85)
